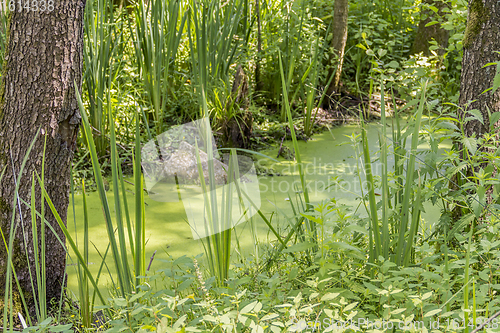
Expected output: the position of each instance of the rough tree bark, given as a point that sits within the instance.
(481, 40)
(339, 40)
(43, 60)
(435, 31)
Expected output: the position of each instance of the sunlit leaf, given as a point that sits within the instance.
(470, 144)
(299, 247)
(431, 23)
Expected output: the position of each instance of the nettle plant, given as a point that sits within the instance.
(468, 186)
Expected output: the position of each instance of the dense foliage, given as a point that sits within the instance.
(154, 64)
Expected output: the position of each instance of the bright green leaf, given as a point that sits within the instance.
(329, 296)
(432, 313)
(476, 114)
(299, 247)
(361, 46)
(431, 23)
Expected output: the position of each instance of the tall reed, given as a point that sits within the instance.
(214, 44)
(291, 54)
(218, 215)
(9, 243)
(302, 192)
(83, 281)
(158, 31)
(39, 250)
(405, 245)
(312, 74)
(99, 46)
(119, 248)
(214, 41)
(405, 199)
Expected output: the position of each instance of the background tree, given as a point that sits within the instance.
(426, 33)
(481, 44)
(339, 40)
(43, 60)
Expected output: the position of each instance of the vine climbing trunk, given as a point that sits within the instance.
(43, 61)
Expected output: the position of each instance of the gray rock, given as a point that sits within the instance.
(183, 164)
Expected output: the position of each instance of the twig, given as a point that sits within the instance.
(133, 193)
(151, 261)
(145, 190)
(480, 327)
(104, 135)
(281, 146)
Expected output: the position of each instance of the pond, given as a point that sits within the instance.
(325, 156)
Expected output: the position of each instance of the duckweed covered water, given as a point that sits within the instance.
(326, 156)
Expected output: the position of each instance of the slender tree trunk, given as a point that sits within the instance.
(425, 34)
(43, 60)
(481, 42)
(339, 40)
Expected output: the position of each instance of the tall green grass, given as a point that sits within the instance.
(38, 250)
(406, 199)
(100, 43)
(39, 228)
(86, 308)
(214, 36)
(218, 215)
(119, 250)
(158, 32)
(294, 138)
(214, 42)
(37, 235)
(310, 81)
(122, 249)
(290, 55)
(9, 243)
(302, 203)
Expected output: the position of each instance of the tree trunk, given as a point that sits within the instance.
(481, 40)
(426, 34)
(237, 130)
(339, 40)
(43, 60)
